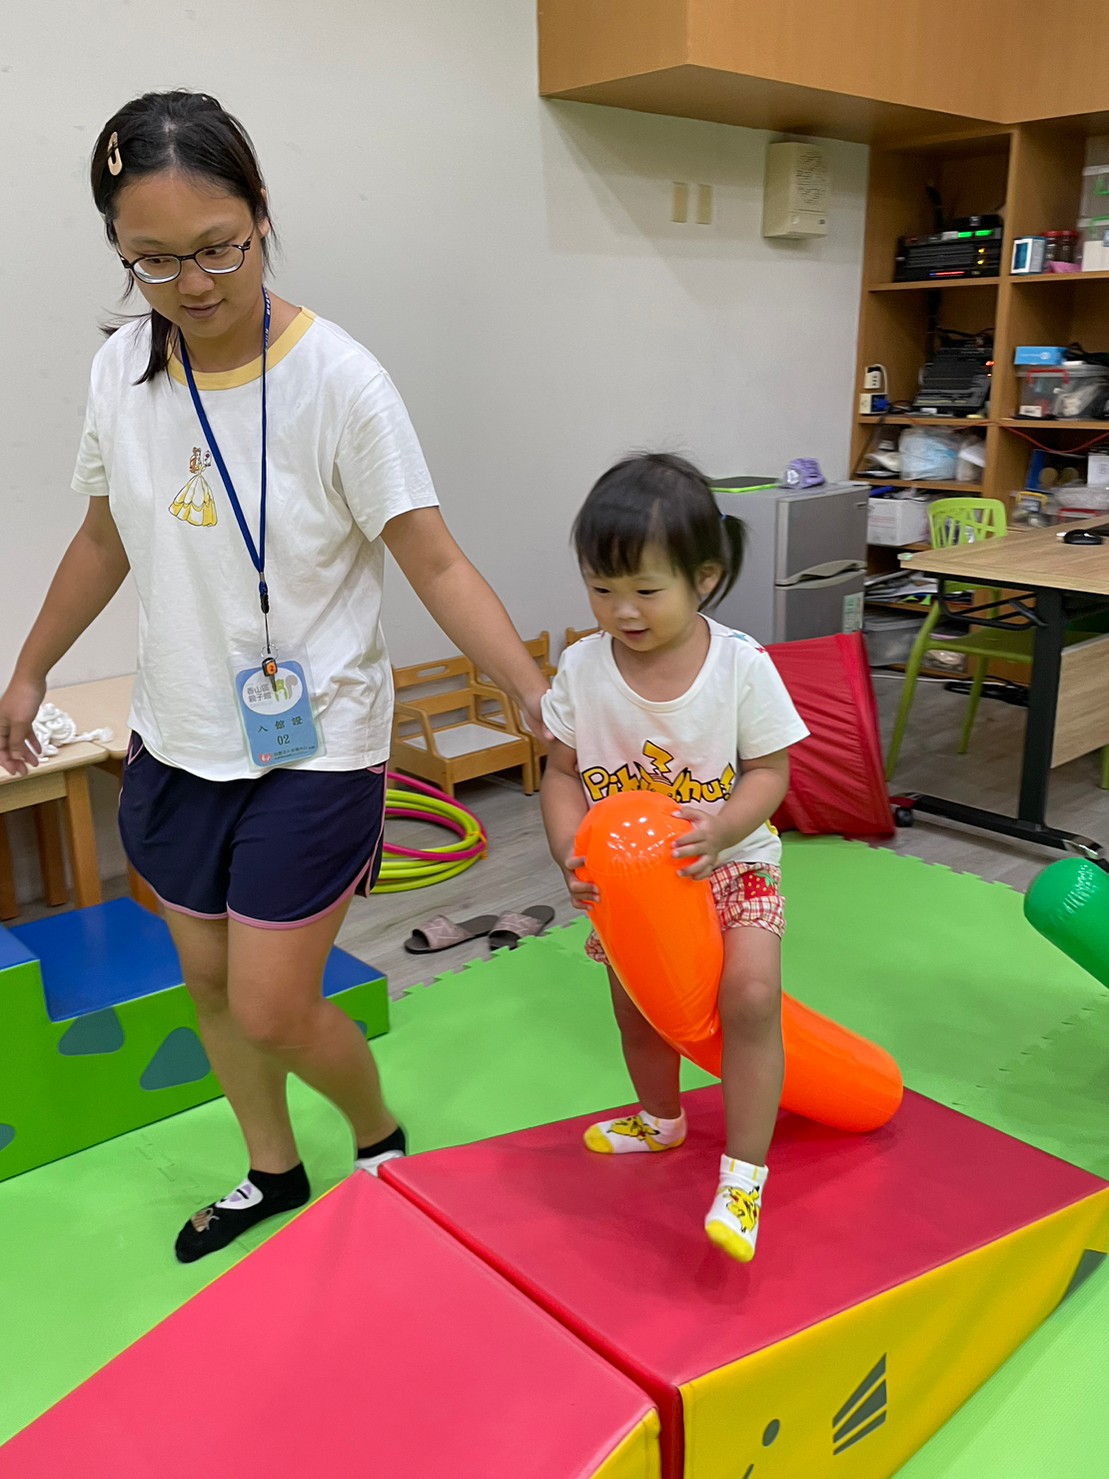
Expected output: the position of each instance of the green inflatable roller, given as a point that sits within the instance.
(1069, 905)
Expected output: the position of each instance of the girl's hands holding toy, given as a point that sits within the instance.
(708, 839)
(581, 894)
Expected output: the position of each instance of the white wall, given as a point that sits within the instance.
(512, 262)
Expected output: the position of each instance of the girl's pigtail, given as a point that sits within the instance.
(732, 546)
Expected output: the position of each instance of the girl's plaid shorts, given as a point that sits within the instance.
(747, 896)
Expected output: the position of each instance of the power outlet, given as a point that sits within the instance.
(704, 205)
(874, 377)
(679, 210)
(872, 403)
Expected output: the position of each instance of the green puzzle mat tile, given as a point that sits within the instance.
(939, 967)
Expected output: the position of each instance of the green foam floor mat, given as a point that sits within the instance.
(939, 967)
(1045, 1414)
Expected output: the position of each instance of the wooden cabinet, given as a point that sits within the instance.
(847, 69)
(1033, 172)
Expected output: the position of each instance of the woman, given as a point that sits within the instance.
(249, 464)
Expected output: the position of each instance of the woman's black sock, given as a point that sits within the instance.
(263, 1194)
(371, 1157)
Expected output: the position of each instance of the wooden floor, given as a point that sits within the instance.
(518, 870)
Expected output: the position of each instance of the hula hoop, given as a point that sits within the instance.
(405, 868)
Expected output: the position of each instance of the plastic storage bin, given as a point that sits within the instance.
(1061, 246)
(1062, 392)
(889, 639)
(1095, 192)
(1080, 500)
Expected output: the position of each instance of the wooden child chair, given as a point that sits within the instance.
(475, 731)
(574, 635)
(491, 710)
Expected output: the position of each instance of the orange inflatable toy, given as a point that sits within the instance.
(661, 933)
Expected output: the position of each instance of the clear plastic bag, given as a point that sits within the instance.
(928, 454)
(971, 459)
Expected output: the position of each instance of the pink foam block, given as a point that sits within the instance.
(361, 1340)
(615, 1245)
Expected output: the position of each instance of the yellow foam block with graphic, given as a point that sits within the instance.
(895, 1272)
(637, 1457)
(918, 1351)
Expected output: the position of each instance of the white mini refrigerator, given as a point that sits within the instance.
(804, 567)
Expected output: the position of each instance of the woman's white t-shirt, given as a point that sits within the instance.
(689, 747)
(343, 459)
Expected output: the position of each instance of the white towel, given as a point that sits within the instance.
(54, 729)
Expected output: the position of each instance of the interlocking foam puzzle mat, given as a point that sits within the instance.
(982, 1014)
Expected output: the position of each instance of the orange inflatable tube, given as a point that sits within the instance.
(661, 933)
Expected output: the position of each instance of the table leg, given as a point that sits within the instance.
(81, 836)
(51, 853)
(1039, 741)
(9, 904)
(1043, 701)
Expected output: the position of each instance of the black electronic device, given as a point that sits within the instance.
(956, 381)
(1083, 536)
(948, 255)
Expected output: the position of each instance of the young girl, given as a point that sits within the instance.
(662, 694)
(249, 464)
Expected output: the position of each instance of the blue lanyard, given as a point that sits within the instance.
(257, 552)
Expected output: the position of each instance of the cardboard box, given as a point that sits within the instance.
(897, 521)
(1039, 354)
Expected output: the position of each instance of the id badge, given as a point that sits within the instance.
(276, 714)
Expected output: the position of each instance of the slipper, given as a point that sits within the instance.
(441, 933)
(510, 929)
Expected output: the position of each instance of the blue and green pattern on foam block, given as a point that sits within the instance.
(98, 1035)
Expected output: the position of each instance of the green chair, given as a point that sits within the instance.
(967, 521)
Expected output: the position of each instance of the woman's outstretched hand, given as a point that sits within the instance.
(19, 749)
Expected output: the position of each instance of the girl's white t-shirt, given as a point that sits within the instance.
(343, 459)
(689, 747)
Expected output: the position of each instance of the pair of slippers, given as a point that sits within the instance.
(505, 931)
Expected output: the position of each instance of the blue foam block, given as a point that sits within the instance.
(116, 952)
(13, 951)
(343, 971)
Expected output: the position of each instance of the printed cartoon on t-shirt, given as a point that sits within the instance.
(195, 504)
(657, 774)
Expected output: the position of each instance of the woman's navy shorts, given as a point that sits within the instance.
(277, 851)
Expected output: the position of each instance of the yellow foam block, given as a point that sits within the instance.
(856, 1395)
(637, 1457)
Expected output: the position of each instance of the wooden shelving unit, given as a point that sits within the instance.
(1027, 278)
(1030, 423)
(925, 287)
(962, 421)
(1034, 172)
(972, 490)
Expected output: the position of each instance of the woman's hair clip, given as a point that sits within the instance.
(115, 158)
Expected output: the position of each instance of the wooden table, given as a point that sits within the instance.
(64, 777)
(1052, 584)
(103, 704)
(106, 704)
